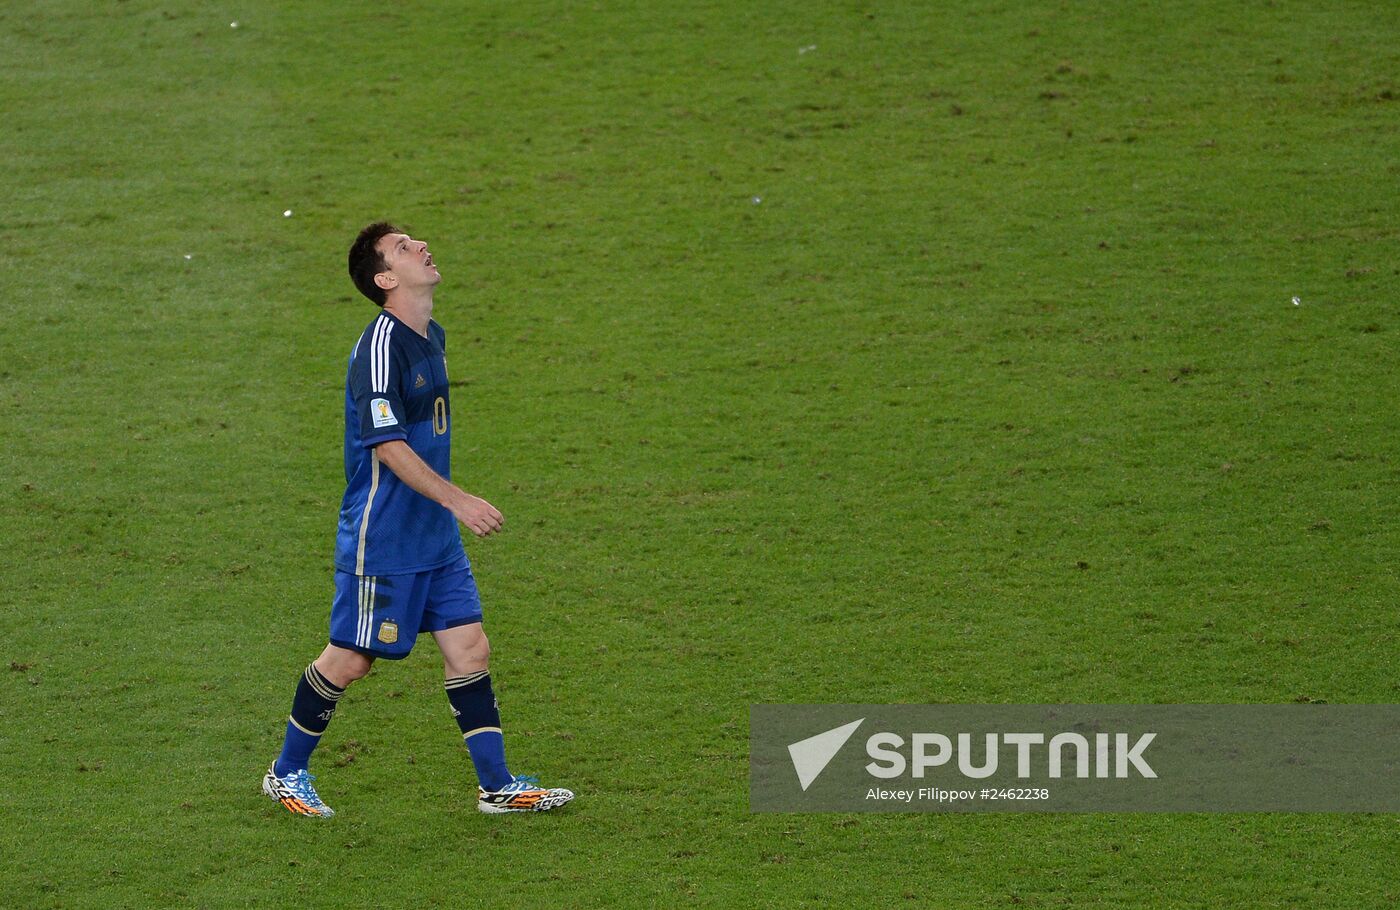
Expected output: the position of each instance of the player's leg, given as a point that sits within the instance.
(359, 603)
(465, 655)
(453, 616)
(320, 687)
(318, 691)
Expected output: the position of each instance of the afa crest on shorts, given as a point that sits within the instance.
(388, 632)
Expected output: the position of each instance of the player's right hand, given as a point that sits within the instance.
(479, 516)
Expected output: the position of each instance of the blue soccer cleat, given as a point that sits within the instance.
(296, 793)
(523, 794)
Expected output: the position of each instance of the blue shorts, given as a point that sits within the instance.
(382, 615)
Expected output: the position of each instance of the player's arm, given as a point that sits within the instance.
(480, 517)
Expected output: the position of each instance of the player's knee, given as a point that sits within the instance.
(469, 657)
(343, 666)
(357, 666)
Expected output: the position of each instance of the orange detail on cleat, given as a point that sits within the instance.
(535, 799)
(285, 793)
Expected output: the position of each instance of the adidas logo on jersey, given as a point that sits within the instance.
(419, 382)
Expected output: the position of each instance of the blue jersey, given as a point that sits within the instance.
(396, 388)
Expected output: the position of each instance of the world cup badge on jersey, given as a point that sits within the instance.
(381, 412)
(388, 632)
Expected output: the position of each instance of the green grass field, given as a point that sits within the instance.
(815, 352)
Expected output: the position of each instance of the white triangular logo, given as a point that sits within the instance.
(811, 755)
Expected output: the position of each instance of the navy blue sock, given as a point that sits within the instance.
(312, 708)
(474, 706)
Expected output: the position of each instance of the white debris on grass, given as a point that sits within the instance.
(803, 50)
(1297, 301)
(756, 200)
(287, 213)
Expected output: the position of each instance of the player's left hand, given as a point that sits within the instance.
(479, 516)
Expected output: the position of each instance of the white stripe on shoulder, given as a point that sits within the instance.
(382, 356)
(374, 346)
(378, 329)
(384, 364)
(372, 333)
(365, 341)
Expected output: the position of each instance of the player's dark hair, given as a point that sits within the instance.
(366, 261)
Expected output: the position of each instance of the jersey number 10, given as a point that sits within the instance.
(439, 416)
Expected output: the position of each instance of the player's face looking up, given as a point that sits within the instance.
(410, 264)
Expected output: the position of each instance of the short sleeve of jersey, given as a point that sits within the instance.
(375, 385)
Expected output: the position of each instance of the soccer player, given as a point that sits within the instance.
(400, 566)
